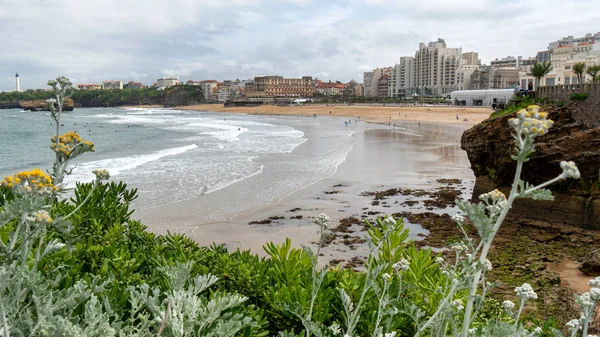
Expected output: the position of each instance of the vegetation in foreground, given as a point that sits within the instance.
(83, 267)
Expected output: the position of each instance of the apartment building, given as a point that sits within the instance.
(210, 90)
(570, 40)
(383, 86)
(563, 58)
(112, 84)
(401, 81)
(166, 82)
(277, 86)
(488, 77)
(436, 68)
(371, 80)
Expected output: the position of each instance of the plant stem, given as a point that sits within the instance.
(13, 241)
(6, 333)
(314, 289)
(543, 185)
(84, 200)
(383, 293)
(486, 248)
(438, 311)
(519, 312)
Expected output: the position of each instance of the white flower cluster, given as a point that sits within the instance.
(40, 216)
(439, 260)
(389, 221)
(525, 292)
(594, 283)
(574, 324)
(487, 265)
(458, 304)
(585, 300)
(335, 329)
(386, 277)
(459, 247)
(531, 122)
(458, 218)
(391, 334)
(570, 170)
(508, 305)
(495, 199)
(537, 330)
(101, 174)
(322, 220)
(401, 265)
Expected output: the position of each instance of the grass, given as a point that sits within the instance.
(514, 106)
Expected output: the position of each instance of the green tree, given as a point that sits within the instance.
(593, 71)
(539, 70)
(579, 69)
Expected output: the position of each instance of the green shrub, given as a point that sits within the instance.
(560, 103)
(579, 96)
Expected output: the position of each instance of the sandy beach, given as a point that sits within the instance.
(375, 113)
(411, 156)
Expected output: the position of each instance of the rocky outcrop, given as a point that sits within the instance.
(575, 136)
(42, 105)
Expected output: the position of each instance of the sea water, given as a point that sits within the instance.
(171, 155)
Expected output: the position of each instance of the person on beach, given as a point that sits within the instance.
(389, 123)
(456, 117)
(346, 123)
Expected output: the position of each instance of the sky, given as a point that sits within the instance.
(90, 41)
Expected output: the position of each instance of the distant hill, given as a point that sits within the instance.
(174, 96)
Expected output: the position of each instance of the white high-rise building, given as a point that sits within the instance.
(402, 78)
(18, 84)
(371, 79)
(436, 68)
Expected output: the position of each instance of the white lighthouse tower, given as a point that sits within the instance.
(18, 84)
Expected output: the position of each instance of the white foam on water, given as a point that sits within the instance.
(136, 119)
(116, 166)
(103, 116)
(211, 189)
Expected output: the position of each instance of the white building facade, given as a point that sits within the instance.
(436, 69)
(402, 78)
(166, 82)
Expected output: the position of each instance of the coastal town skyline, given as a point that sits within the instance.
(241, 39)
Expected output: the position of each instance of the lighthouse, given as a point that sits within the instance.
(17, 80)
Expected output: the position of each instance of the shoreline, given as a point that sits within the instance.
(374, 113)
(436, 145)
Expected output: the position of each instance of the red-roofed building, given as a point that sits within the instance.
(133, 85)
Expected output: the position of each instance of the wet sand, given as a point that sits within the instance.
(381, 157)
(376, 113)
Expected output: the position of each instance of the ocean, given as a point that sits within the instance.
(173, 155)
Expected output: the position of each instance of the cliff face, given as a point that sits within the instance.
(42, 105)
(575, 136)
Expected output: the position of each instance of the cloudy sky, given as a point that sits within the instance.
(142, 40)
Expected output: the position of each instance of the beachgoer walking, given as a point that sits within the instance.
(346, 123)
(389, 123)
(456, 117)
